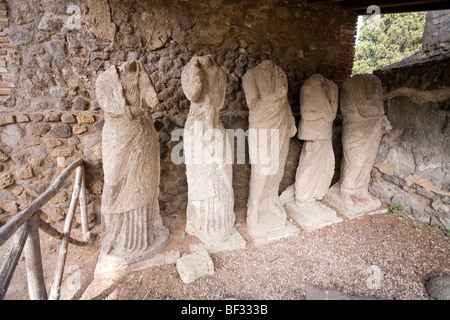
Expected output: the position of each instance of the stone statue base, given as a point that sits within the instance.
(311, 215)
(351, 204)
(104, 271)
(271, 227)
(233, 242)
(267, 220)
(268, 235)
(108, 267)
(125, 260)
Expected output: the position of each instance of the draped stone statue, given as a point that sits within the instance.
(318, 106)
(364, 124)
(271, 125)
(210, 209)
(132, 228)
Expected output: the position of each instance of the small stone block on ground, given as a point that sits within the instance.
(277, 234)
(195, 265)
(439, 288)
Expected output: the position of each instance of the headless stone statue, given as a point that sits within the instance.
(271, 125)
(364, 124)
(132, 228)
(210, 209)
(318, 106)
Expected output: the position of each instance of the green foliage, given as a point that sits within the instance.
(395, 208)
(439, 226)
(386, 39)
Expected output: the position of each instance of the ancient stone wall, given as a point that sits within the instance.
(437, 30)
(412, 167)
(51, 53)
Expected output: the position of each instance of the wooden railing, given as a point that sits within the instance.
(24, 227)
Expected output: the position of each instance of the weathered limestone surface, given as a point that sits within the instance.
(99, 20)
(318, 106)
(271, 119)
(133, 228)
(412, 165)
(195, 265)
(439, 288)
(364, 124)
(210, 208)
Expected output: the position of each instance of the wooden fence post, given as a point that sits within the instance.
(12, 258)
(35, 272)
(83, 209)
(56, 285)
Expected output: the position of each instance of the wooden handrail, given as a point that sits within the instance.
(56, 285)
(27, 222)
(33, 260)
(16, 222)
(12, 258)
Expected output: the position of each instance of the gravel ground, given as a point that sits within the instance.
(346, 256)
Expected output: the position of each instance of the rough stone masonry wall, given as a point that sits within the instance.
(436, 34)
(413, 164)
(49, 115)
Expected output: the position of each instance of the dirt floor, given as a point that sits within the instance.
(344, 256)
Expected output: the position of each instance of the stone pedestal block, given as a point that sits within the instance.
(312, 215)
(195, 265)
